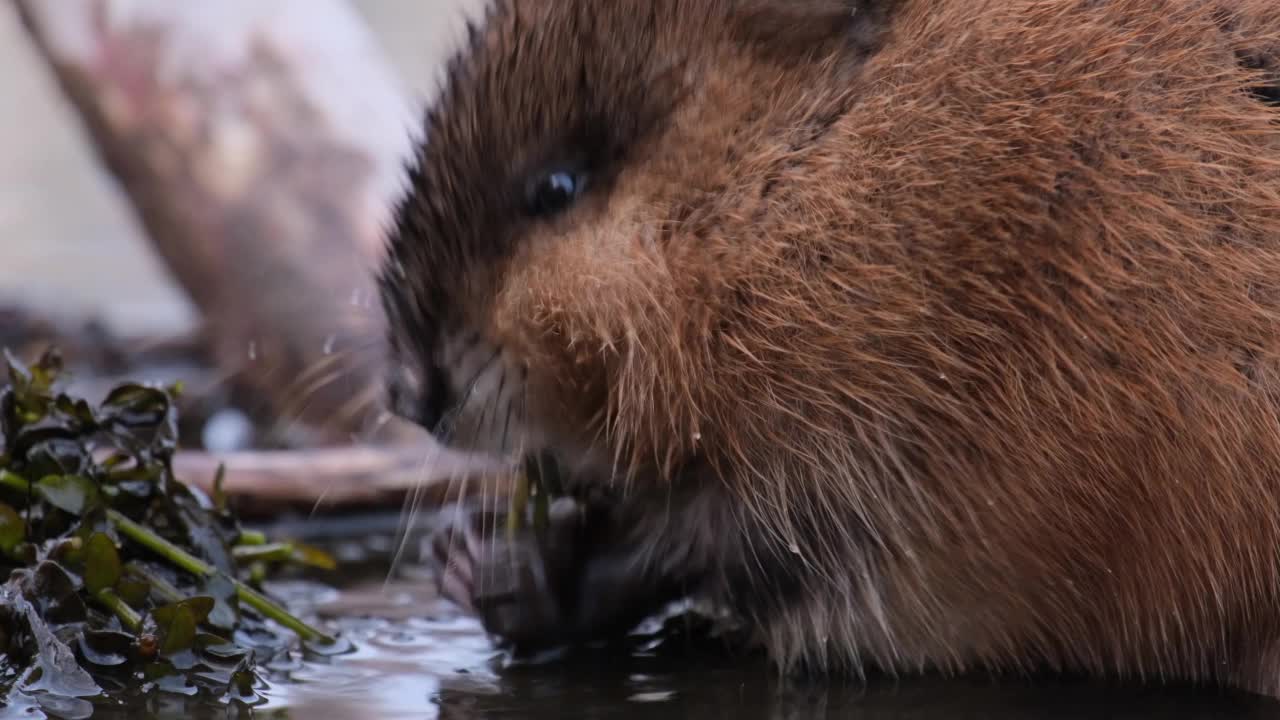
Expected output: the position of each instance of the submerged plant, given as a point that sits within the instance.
(118, 573)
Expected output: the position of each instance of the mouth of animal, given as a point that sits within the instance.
(538, 481)
(540, 468)
(489, 433)
(541, 473)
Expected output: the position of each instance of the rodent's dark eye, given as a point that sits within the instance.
(553, 192)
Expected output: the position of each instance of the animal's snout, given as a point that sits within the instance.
(461, 388)
(421, 395)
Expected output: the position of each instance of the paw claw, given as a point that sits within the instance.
(536, 591)
(457, 590)
(504, 583)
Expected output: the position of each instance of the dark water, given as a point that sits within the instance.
(415, 657)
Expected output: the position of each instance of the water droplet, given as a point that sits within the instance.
(328, 344)
(227, 431)
(646, 697)
(253, 350)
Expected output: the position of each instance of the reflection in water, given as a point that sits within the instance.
(417, 658)
(755, 694)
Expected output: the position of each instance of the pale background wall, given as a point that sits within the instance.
(68, 241)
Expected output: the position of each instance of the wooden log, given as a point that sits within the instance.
(327, 478)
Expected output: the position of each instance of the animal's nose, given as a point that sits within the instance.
(435, 400)
(421, 396)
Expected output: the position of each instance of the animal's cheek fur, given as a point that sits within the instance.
(580, 299)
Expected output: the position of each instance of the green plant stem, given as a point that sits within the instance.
(541, 511)
(159, 545)
(13, 481)
(161, 587)
(273, 552)
(116, 604)
(519, 505)
(251, 537)
(198, 567)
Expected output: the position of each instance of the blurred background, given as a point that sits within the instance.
(70, 241)
(199, 192)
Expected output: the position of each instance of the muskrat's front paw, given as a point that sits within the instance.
(513, 584)
(580, 578)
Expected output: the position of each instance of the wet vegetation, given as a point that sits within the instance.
(119, 576)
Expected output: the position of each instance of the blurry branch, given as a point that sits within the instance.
(344, 476)
(260, 142)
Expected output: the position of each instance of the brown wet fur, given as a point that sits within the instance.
(927, 335)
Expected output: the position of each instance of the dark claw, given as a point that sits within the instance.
(508, 584)
(539, 591)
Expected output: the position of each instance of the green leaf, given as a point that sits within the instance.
(69, 493)
(137, 406)
(19, 376)
(59, 594)
(107, 648)
(225, 614)
(47, 369)
(75, 409)
(12, 529)
(101, 564)
(206, 640)
(198, 607)
(313, 557)
(177, 625)
(242, 680)
(133, 591)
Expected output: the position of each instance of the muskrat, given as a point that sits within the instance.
(924, 335)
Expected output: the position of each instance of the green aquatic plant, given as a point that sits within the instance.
(117, 572)
(536, 485)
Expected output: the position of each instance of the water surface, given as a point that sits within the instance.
(416, 657)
